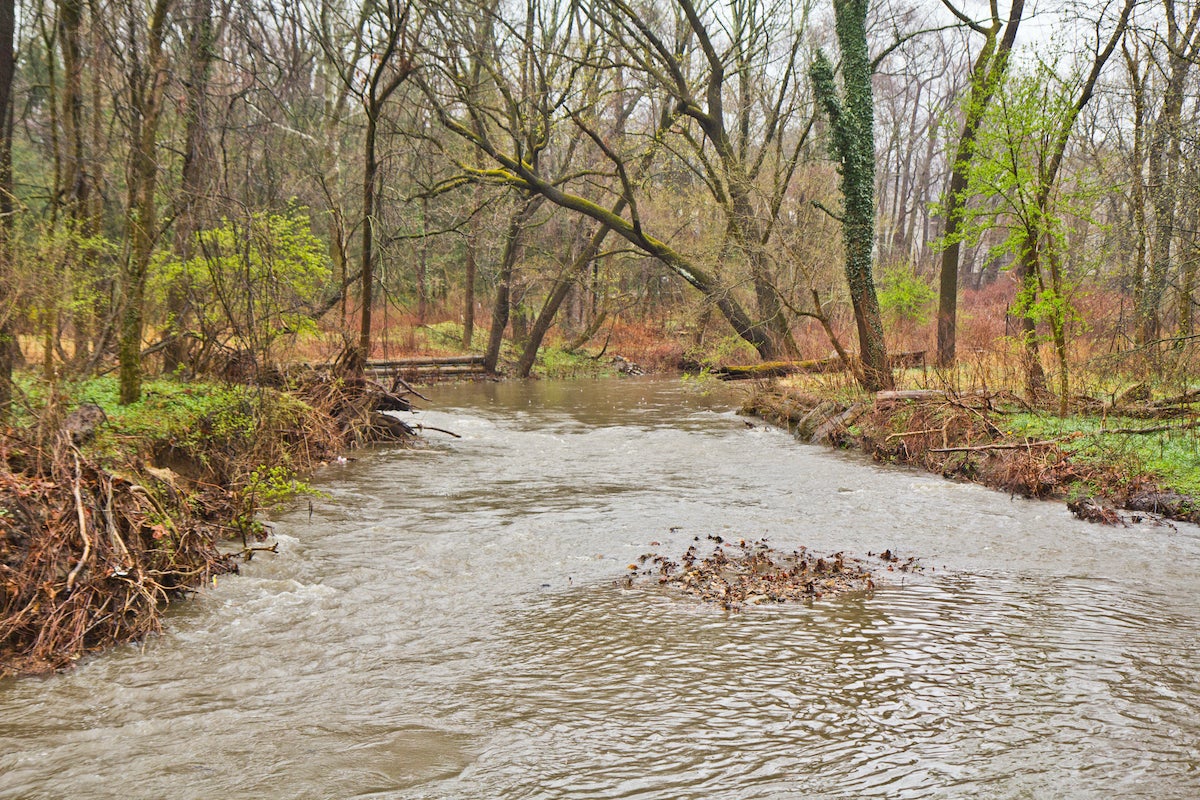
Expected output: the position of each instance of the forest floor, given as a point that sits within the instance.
(1114, 462)
(110, 512)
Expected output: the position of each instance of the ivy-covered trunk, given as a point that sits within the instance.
(852, 120)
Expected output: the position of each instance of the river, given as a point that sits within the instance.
(447, 624)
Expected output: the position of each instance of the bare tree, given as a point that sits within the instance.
(146, 64)
(986, 76)
(613, 35)
(7, 340)
(380, 62)
(1164, 156)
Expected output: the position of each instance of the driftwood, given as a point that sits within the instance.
(1194, 423)
(427, 361)
(825, 431)
(931, 394)
(401, 370)
(1089, 509)
(1168, 504)
(422, 427)
(779, 369)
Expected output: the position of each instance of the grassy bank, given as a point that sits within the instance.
(108, 513)
(1141, 456)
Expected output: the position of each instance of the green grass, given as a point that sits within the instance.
(203, 420)
(1171, 458)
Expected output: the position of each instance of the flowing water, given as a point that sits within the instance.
(447, 624)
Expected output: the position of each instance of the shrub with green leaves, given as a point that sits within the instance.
(252, 279)
(904, 295)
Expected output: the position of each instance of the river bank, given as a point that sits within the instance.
(108, 513)
(1110, 464)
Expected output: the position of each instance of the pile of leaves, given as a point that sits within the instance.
(740, 573)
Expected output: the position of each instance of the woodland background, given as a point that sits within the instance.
(211, 186)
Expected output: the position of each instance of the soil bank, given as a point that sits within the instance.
(108, 513)
(975, 437)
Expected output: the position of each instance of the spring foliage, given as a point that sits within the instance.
(252, 279)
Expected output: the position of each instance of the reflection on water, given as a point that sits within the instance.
(448, 626)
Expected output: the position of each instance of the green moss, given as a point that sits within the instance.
(224, 432)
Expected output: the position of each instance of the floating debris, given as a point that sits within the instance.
(740, 573)
(1091, 509)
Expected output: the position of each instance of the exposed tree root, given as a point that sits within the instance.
(90, 557)
(88, 560)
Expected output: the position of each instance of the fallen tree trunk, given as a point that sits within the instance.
(779, 369)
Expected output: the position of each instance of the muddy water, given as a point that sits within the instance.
(446, 625)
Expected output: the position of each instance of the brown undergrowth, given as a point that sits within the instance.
(969, 437)
(101, 528)
(958, 438)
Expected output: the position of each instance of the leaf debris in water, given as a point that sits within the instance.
(739, 573)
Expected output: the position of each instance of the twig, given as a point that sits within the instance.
(87, 542)
(999, 446)
(396, 379)
(817, 204)
(902, 434)
(248, 551)
(439, 430)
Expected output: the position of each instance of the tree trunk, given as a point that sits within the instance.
(195, 176)
(558, 294)
(146, 90)
(1187, 277)
(986, 76)
(470, 267)
(852, 120)
(8, 343)
(423, 265)
(508, 261)
(1031, 360)
(1137, 190)
(362, 352)
(1164, 161)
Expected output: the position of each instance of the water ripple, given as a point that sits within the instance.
(446, 625)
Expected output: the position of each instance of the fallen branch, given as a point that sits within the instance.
(87, 541)
(1001, 446)
(439, 430)
(397, 381)
(1152, 429)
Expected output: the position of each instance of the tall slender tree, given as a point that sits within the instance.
(147, 74)
(8, 344)
(851, 113)
(986, 75)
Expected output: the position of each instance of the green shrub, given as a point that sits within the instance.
(904, 295)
